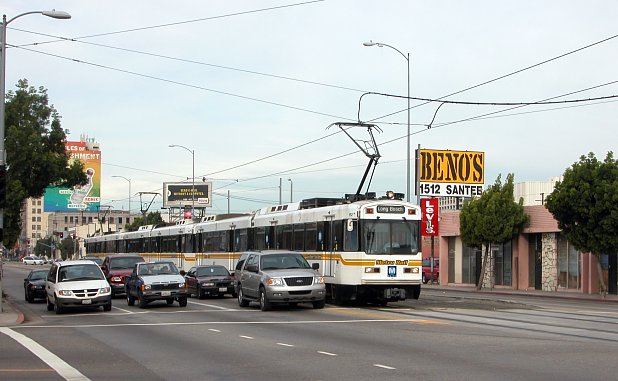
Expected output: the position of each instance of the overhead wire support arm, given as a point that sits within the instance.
(145, 206)
(370, 149)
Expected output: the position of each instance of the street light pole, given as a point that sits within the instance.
(129, 180)
(192, 177)
(291, 184)
(53, 14)
(407, 58)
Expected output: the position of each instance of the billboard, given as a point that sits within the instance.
(85, 198)
(429, 222)
(450, 173)
(180, 194)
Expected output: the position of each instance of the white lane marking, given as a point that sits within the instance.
(140, 311)
(123, 310)
(360, 321)
(65, 370)
(209, 305)
(214, 330)
(384, 366)
(327, 353)
(246, 337)
(285, 345)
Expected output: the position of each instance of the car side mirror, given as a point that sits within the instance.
(25, 279)
(315, 266)
(183, 272)
(252, 268)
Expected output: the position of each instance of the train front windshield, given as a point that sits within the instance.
(390, 237)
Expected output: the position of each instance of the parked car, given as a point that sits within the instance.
(427, 270)
(238, 267)
(96, 260)
(77, 284)
(117, 268)
(150, 281)
(209, 280)
(34, 285)
(32, 260)
(271, 277)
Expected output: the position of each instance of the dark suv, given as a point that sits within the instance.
(117, 268)
(279, 277)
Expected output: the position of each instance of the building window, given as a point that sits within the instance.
(33, 219)
(38, 219)
(33, 227)
(33, 210)
(66, 219)
(38, 211)
(119, 220)
(89, 220)
(33, 235)
(38, 202)
(503, 265)
(38, 227)
(568, 265)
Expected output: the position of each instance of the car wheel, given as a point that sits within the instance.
(107, 307)
(182, 302)
(50, 305)
(425, 280)
(319, 304)
(130, 299)
(241, 298)
(58, 308)
(198, 292)
(265, 304)
(141, 301)
(29, 297)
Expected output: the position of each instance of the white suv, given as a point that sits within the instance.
(77, 284)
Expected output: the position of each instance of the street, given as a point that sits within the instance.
(443, 336)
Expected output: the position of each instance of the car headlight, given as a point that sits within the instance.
(65, 292)
(275, 282)
(318, 280)
(181, 285)
(116, 279)
(146, 287)
(105, 290)
(207, 284)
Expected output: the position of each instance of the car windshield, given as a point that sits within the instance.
(36, 275)
(283, 261)
(163, 268)
(212, 271)
(79, 272)
(124, 263)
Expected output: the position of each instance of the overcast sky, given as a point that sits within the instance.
(252, 86)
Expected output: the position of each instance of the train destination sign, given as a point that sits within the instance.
(391, 209)
(451, 173)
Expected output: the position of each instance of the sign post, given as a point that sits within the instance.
(429, 224)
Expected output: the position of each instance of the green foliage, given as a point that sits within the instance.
(493, 217)
(152, 218)
(35, 153)
(585, 204)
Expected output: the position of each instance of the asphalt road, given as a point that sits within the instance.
(443, 336)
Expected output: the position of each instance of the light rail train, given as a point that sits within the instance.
(367, 250)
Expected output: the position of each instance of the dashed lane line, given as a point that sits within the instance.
(384, 366)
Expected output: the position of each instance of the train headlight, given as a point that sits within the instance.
(369, 270)
(275, 282)
(413, 270)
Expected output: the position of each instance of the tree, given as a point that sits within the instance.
(492, 218)
(152, 218)
(36, 157)
(585, 204)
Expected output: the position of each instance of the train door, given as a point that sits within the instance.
(324, 232)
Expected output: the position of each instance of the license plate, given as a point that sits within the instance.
(222, 289)
(166, 293)
(86, 301)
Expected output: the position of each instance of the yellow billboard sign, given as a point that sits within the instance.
(451, 173)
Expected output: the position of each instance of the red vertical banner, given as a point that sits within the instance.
(429, 208)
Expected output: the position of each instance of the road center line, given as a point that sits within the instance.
(65, 370)
(384, 366)
(285, 345)
(246, 337)
(327, 353)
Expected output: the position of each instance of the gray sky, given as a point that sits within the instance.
(245, 80)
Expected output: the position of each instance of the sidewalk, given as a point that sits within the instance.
(9, 315)
(531, 293)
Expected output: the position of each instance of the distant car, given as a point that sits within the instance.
(34, 285)
(150, 281)
(427, 270)
(32, 260)
(278, 276)
(72, 284)
(96, 260)
(117, 268)
(209, 280)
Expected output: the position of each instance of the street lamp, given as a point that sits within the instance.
(192, 178)
(54, 14)
(407, 57)
(291, 184)
(122, 177)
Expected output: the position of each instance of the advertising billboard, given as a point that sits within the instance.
(450, 173)
(85, 198)
(180, 194)
(429, 221)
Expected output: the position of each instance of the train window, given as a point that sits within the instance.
(351, 236)
(337, 239)
(283, 237)
(311, 236)
(241, 240)
(299, 237)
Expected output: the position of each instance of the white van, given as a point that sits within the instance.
(79, 283)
